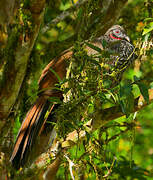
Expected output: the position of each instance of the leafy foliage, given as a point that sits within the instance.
(114, 151)
(88, 90)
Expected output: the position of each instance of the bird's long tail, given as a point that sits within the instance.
(29, 131)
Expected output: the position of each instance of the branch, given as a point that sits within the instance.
(101, 19)
(63, 15)
(18, 50)
(101, 117)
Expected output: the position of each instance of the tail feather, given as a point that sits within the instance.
(22, 132)
(28, 132)
(33, 126)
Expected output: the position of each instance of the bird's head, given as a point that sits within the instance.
(116, 33)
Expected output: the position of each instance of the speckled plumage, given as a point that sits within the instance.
(121, 51)
(126, 55)
(117, 43)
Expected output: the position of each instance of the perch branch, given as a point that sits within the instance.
(18, 49)
(73, 137)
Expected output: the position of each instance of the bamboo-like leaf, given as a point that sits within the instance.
(58, 77)
(144, 91)
(148, 29)
(143, 88)
(94, 47)
(55, 100)
(126, 99)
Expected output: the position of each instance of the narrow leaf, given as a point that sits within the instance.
(126, 99)
(148, 29)
(94, 47)
(58, 77)
(144, 91)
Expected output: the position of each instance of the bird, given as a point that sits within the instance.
(117, 41)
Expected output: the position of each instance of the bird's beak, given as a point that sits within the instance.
(127, 38)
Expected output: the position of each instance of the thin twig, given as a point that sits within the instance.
(71, 164)
(63, 15)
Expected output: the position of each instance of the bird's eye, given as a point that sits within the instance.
(117, 31)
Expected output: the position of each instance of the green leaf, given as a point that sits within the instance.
(148, 28)
(123, 108)
(58, 77)
(143, 88)
(17, 125)
(127, 104)
(80, 13)
(126, 99)
(95, 63)
(136, 78)
(91, 108)
(125, 90)
(144, 91)
(148, 19)
(104, 43)
(94, 47)
(55, 100)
